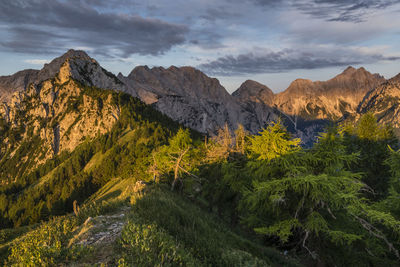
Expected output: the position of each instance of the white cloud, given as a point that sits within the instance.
(36, 61)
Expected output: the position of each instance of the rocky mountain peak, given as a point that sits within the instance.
(254, 91)
(182, 81)
(16, 83)
(51, 69)
(349, 70)
(299, 87)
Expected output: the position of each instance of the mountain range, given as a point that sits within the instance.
(193, 99)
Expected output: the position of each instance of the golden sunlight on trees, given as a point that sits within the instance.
(272, 142)
(178, 156)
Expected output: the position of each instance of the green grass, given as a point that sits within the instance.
(163, 223)
(163, 229)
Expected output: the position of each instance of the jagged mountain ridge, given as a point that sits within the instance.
(195, 100)
(310, 100)
(82, 68)
(192, 98)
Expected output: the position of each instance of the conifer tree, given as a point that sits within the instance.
(273, 142)
(313, 198)
(178, 156)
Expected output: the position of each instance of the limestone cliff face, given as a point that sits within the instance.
(192, 98)
(384, 102)
(331, 99)
(62, 110)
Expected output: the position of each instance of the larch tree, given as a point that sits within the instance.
(178, 156)
(314, 195)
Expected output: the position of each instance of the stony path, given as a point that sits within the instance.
(99, 235)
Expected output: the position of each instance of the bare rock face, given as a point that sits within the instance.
(330, 99)
(384, 102)
(75, 64)
(59, 109)
(306, 106)
(192, 98)
(63, 114)
(254, 92)
(16, 83)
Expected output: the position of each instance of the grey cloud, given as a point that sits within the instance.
(342, 10)
(221, 12)
(287, 60)
(333, 10)
(81, 24)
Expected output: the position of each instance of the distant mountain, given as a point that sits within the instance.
(330, 99)
(384, 102)
(254, 92)
(195, 100)
(192, 98)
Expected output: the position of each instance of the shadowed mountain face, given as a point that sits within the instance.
(192, 98)
(14, 83)
(255, 92)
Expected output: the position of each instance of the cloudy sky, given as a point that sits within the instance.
(271, 41)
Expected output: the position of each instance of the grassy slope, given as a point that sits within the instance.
(162, 228)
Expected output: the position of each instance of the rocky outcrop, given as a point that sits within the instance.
(75, 64)
(185, 94)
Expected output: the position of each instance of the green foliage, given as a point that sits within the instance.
(370, 140)
(299, 198)
(179, 156)
(337, 202)
(148, 245)
(50, 189)
(273, 142)
(189, 236)
(46, 245)
(392, 202)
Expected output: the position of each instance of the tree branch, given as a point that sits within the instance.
(377, 233)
